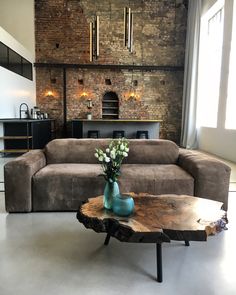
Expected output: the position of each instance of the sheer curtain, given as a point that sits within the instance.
(230, 122)
(189, 131)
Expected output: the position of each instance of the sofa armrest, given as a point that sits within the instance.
(18, 180)
(211, 176)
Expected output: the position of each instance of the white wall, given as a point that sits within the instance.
(220, 141)
(17, 18)
(15, 89)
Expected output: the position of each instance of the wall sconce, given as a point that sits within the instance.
(134, 83)
(128, 28)
(131, 95)
(49, 93)
(84, 95)
(134, 96)
(94, 39)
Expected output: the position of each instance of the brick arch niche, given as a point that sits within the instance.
(110, 105)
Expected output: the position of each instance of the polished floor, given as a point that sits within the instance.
(51, 253)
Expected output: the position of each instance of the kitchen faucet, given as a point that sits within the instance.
(26, 111)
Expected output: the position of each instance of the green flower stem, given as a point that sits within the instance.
(110, 166)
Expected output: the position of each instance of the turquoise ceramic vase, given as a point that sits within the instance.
(110, 191)
(123, 205)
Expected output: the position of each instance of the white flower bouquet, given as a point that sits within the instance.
(111, 159)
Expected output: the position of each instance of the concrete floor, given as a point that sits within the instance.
(52, 253)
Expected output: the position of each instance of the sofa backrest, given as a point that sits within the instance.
(152, 151)
(70, 150)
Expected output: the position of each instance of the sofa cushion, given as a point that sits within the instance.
(61, 187)
(156, 179)
(151, 151)
(71, 150)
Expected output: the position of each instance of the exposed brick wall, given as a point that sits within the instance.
(159, 39)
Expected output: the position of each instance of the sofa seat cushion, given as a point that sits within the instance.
(61, 187)
(156, 179)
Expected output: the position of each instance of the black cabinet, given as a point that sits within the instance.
(20, 136)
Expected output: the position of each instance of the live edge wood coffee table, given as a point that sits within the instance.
(156, 219)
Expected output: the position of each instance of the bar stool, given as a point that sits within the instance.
(93, 133)
(142, 134)
(118, 133)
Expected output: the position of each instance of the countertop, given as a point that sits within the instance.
(17, 120)
(118, 120)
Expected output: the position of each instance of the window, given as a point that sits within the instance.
(27, 69)
(14, 62)
(230, 122)
(210, 65)
(3, 55)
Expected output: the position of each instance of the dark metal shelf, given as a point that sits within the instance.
(109, 108)
(116, 101)
(15, 137)
(18, 151)
(112, 66)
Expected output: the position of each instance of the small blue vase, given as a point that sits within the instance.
(110, 191)
(123, 205)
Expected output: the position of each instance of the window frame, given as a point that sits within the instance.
(23, 63)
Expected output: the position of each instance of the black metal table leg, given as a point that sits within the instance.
(187, 243)
(106, 242)
(159, 262)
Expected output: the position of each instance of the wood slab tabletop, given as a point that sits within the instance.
(156, 218)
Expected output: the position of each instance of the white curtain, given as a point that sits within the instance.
(189, 110)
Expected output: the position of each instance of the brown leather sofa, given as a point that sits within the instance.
(66, 172)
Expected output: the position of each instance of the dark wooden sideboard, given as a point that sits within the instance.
(22, 135)
(79, 127)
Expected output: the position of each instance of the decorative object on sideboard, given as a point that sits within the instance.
(45, 115)
(89, 116)
(34, 112)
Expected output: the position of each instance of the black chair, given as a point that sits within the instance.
(142, 134)
(93, 133)
(118, 133)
